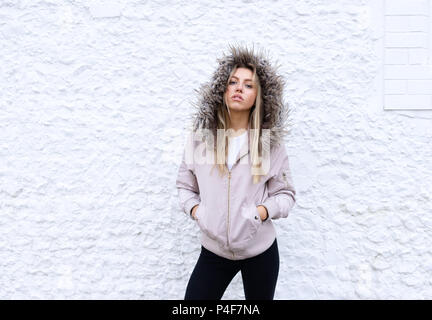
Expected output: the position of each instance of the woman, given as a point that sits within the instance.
(238, 129)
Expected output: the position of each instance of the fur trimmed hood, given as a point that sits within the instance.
(210, 94)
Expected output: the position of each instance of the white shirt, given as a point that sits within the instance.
(234, 146)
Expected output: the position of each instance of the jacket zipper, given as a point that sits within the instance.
(229, 186)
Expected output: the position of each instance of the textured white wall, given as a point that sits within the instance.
(94, 102)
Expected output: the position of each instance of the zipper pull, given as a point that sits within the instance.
(285, 178)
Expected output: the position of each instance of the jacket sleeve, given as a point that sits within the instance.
(281, 191)
(187, 187)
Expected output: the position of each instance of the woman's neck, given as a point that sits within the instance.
(238, 122)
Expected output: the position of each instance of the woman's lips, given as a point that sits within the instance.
(236, 98)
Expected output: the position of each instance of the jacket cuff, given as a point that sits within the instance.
(271, 206)
(189, 205)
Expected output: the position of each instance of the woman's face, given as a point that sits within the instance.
(241, 92)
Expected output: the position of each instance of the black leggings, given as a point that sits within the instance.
(212, 275)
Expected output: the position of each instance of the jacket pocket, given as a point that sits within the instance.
(244, 227)
(204, 222)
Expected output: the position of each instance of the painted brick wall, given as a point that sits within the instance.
(408, 54)
(94, 105)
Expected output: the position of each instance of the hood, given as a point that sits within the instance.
(210, 94)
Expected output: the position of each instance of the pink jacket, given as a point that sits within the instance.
(227, 214)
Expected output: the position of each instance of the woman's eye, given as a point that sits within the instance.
(248, 85)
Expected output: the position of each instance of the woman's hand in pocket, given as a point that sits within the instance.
(194, 209)
(262, 212)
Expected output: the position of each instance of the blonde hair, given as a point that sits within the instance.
(255, 118)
